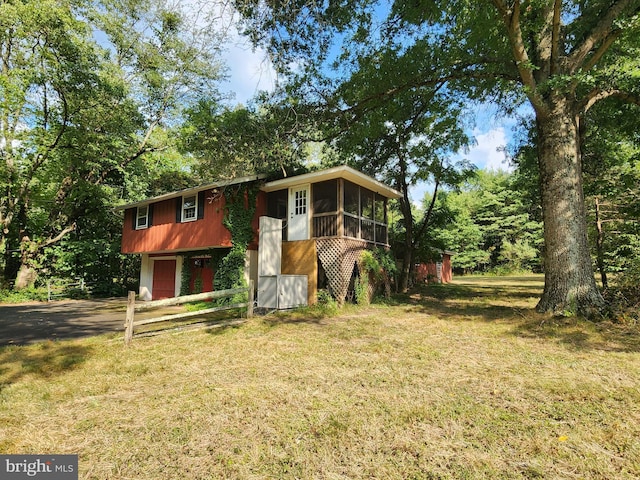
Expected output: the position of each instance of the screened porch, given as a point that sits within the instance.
(337, 208)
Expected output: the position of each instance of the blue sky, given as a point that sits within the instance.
(250, 71)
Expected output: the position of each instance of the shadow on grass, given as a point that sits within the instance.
(581, 335)
(45, 360)
(499, 304)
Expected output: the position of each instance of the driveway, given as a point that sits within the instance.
(21, 324)
(27, 323)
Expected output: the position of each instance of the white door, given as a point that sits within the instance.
(298, 228)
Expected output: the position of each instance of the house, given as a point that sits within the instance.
(314, 227)
(436, 271)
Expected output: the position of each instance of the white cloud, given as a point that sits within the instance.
(489, 153)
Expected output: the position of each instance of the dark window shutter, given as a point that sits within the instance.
(150, 216)
(179, 210)
(134, 215)
(201, 205)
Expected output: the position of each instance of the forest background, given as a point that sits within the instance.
(109, 102)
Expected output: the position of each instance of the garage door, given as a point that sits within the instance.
(164, 279)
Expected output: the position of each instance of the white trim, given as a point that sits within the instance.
(195, 208)
(343, 171)
(146, 217)
(146, 278)
(178, 282)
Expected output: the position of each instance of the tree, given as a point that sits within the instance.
(611, 152)
(409, 139)
(232, 142)
(562, 57)
(78, 116)
(492, 228)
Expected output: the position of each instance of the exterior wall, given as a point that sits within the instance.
(428, 272)
(146, 272)
(146, 275)
(447, 271)
(300, 258)
(146, 278)
(165, 235)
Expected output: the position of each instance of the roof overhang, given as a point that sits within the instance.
(193, 190)
(342, 171)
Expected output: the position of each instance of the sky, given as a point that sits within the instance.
(250, 72)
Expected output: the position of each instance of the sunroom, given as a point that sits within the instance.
(339, 202)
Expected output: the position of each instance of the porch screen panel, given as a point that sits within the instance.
(366, 203)
(325, 197)
(325, 208)
(351, 198)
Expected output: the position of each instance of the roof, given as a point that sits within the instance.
(342, 171)
(193, 190)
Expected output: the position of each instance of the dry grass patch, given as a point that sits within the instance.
(460, 381)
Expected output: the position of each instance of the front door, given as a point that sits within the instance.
(298, 228)
(164, 279)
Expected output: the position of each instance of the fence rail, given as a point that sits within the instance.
(65, 289)
(130, 321)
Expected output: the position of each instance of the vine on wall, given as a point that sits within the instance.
(185, 278)
(240, 207)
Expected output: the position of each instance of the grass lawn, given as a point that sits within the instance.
(456, 381)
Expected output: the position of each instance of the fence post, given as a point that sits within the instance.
(250, 301)
(48, 290)
(131, 305)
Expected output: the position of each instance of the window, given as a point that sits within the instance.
(277, 204)
(189, 208)
(300, 205)
(142, 217)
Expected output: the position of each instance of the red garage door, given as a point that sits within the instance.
(164, 279)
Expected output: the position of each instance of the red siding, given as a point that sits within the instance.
(428, 273)
(447, 271)
(165, 235)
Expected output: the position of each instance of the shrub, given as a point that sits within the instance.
(624, 296)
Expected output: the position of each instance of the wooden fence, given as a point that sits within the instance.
(130, 322)
(58, 288)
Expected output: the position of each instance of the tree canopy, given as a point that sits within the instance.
(561, 57)
(85, 89)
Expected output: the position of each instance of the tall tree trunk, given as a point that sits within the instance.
(407, 255)
(569, 281)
